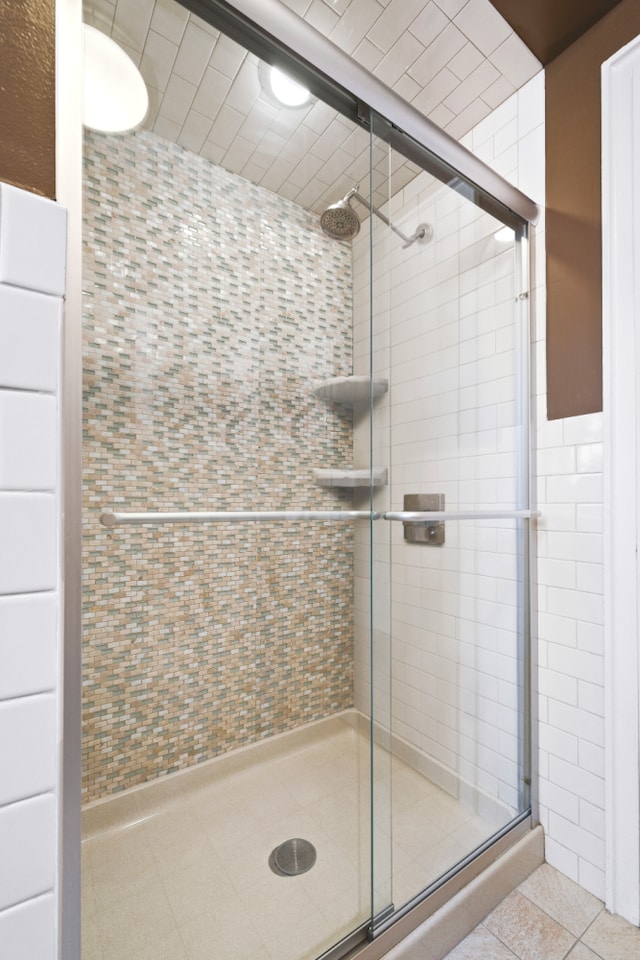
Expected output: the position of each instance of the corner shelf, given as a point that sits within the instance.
(332, 477)
(350, 391)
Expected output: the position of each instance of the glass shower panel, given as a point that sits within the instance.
(458, 696)
(376, 341)
(448, 275)
(222, 376)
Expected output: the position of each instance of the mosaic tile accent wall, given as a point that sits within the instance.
(210, 307)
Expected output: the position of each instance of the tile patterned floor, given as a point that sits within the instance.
(169, 872)
(550, 918)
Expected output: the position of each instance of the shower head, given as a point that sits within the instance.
(340, 221)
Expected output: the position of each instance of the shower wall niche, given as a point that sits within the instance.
(211, 308)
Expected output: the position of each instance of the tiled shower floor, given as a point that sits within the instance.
(180, 870)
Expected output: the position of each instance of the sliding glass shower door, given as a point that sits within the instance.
(447, 301)
(306, 521)
(227, 773)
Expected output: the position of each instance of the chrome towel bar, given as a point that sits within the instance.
(230, 516)
(109, 519)
(432, 516)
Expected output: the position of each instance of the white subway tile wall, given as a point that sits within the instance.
(28, 437)
(29, 560)
(570, 562)
(448, 425)
(25, 930)
(28, 836)
(569, 481)
(29, 340)
(32, 241)
(32, 278)
(570, 552)
(28, 661)
(570, 620)
(28, 734)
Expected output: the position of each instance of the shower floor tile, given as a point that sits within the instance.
(180, 869)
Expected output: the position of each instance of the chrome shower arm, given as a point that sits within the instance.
(423, 231)
(357, 196)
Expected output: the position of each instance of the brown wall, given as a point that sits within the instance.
(573, 227)
(27, 94)
(548, 26)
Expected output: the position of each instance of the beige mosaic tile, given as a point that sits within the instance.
(612, 938)
(529, 932)
(210, 307)
(561, 898)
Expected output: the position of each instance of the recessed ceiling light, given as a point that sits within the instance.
(505, 235)
(287, 91)
(281, 89)
(115, 95)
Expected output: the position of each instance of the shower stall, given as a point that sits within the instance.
(306, 663)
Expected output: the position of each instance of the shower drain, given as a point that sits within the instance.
(293, 857)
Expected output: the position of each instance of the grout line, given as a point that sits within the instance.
(495, 935)
(553, 919)
(549, 917)
(571, 948)
(594, 952)
(540, 907)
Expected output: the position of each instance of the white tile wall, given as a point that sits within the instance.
(569, 467)
(28, 441)
(571, 646)
(25, 930)
(28, 661)
(481, 20)
(570, 550)
(450, 408)
(28, 732)
(28, 561)
(28, 845)
(570, 558)
(32, 255)
(29, 340)
(32, 279)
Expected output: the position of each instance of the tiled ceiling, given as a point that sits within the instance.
(454, 60)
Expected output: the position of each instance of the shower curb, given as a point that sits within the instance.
(436, 936)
